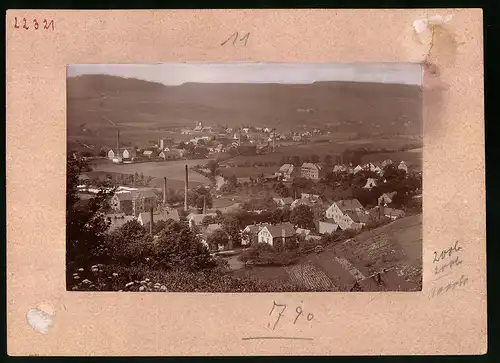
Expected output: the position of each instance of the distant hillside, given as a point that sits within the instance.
(143, 105)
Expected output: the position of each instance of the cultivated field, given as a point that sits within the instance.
(173, 170)
(309, 276)
(397, 245)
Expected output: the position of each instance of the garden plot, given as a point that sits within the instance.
(309, 276)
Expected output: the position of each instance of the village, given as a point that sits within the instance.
(283, 210)
(250, 186)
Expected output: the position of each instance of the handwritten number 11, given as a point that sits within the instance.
(235, 36)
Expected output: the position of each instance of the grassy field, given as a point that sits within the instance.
(173, 170)
(333, 148)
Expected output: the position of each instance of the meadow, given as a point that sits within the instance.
(173, 170)
(333, 148)
(247, 171)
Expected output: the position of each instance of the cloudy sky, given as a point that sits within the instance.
(179, 73)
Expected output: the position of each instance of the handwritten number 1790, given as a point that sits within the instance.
(235, 38)
(280, 313)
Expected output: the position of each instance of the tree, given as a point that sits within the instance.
(302, 184)
(200, 197)
(314, 158)
(216, 238)
(128, 244)
(302, 216)
(213, 165)
(233, 181)
(261, 179)
(207, 220)
(296, 160)
(102, 153)
(230, 226)
(86, 224)
(178, 247)
(282, 190)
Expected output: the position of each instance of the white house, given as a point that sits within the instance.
(386, 198)
(357, 169)
(310, 171)
(345, 212)
(402, 166)
(148, 153)
(250, 234)
(285, 171)
(370, 183)
(274, 234)
(339, 168)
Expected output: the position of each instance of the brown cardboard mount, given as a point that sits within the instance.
(453, 322)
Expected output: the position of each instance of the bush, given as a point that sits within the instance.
(117, 278)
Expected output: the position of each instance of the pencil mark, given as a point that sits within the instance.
(440, 277)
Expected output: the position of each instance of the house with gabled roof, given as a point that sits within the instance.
(133, 201)
(357, 169)
(338, 212)
(340, 168)
(311, 171)
(328, 226)
(283, 202)
(277, 234)
(386, 198)
(370, 183)
(144, 218)
(285, 171)
(250, 234)
(402, 166)
(195, 219)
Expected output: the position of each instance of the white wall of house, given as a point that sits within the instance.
(343, 220)
(265, 236)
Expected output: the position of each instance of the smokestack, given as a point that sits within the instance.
(204, 205)
(118, 141)
(186, 190)
(165, 190)
(151, 221)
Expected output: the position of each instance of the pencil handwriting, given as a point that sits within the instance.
(235, 38)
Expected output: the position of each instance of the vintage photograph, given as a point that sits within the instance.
(244, 177)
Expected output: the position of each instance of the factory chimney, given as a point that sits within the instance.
(118, 141)
(204, 204)
(186, 190)
(165, 190)
(151, 221)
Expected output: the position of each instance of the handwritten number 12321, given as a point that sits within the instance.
(35, 24)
